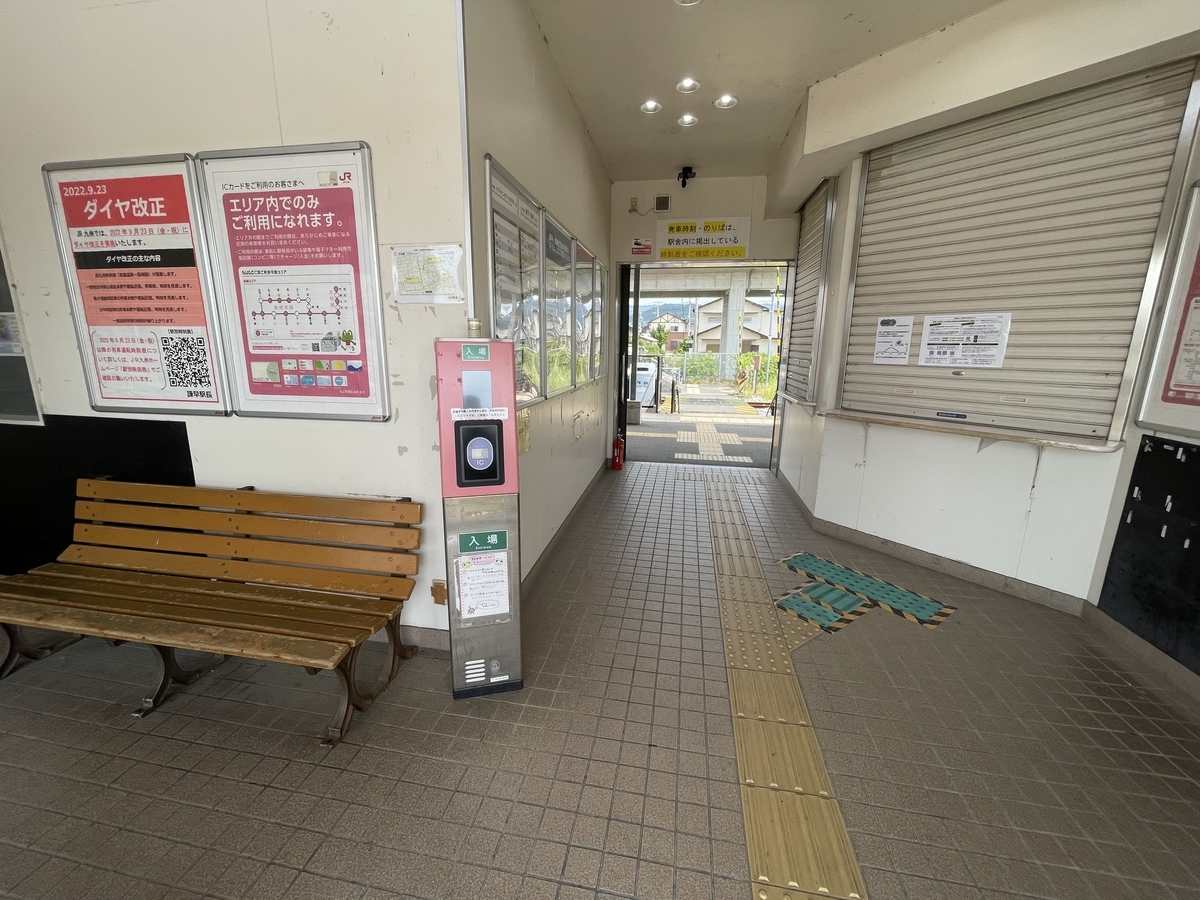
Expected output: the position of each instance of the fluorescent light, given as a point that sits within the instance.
(688, 85)
(687, 120)
(651, 106)
(725, 101)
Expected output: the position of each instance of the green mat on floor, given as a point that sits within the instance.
(811, 611)
(912, 606)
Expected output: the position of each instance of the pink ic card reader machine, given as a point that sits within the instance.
(477, 426)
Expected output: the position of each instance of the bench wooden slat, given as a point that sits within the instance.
(379, 561)
(280, 612)
(369, 606)
(184, 636)
(178, 612)
(395, 538)
(239, 570)
(356, 509)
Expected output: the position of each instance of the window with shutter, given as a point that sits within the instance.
(808, 294)
(1048, 212)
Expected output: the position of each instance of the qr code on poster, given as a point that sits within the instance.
(186, 362)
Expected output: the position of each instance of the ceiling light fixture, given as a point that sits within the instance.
(687, 120)
(725, 101)
(687, 2)
(651, 106)
(688, 85)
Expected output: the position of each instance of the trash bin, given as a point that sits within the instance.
(633, 412)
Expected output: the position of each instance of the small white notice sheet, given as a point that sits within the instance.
(483, 585)
(893, 337)
(977, 340)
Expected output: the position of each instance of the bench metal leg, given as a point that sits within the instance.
(171, 674)
(15, 647)
(340, 723)
(400, 650)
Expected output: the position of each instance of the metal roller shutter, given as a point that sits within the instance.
(1047, 211)
(808, 295)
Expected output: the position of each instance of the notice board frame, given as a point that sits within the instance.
(1156, 413)
(303, 168)
(107, 170)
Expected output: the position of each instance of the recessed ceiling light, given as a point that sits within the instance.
(725, 101)
(687, 120)
(687, 2)
(651, 106)
(688, 85)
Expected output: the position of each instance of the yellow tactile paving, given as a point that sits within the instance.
(766, 697)
(796, 631)
(780, 757)
(757, 617)
(796, 839)
(745, 589)
(742, 566)
(758, 652)
(800, 841)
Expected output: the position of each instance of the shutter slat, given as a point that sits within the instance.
(1047, 211)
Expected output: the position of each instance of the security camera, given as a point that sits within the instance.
(685, 174)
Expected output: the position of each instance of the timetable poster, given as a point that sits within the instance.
(128, 243)
(296, 246)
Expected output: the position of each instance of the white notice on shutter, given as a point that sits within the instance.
(977, 341)
(893, 337)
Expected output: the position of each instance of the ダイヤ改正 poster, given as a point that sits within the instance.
(1182, 385)
(130, 249)
(295, 246)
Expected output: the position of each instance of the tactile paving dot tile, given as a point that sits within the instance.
(756, 617)
(799, 841)
(796, 631)
(759, 652)
(780, 757)
(767, 697)
(744, 590)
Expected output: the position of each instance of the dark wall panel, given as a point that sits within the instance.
(1153, 582)
(42, 464)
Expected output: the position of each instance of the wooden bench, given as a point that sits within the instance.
(279, 577)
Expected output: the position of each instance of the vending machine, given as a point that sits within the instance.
(477, 415)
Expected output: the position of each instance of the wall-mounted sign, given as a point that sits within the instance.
(432, 274)
(968, 341)
(727, 238)
(132, 251)
(893, 338)
(298, 272)
(1172, 399)
(641, 247)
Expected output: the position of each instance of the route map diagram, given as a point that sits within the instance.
(297, 309)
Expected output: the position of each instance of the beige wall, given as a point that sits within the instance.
(111, 79)
(520, 112)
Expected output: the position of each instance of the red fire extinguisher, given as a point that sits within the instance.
(618, 454)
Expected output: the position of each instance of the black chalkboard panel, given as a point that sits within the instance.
(1153, 582)
(43, 463)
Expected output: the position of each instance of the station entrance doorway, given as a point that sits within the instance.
(700, 358)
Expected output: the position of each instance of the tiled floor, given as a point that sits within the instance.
(1008, 753)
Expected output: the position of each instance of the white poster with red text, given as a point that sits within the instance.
(132, 257)
(296, 261)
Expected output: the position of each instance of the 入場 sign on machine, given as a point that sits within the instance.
(297, 265)
(478, 541)
(133, 257)
(727, 238)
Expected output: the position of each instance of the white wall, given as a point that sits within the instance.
(520, 111)
(769, 238)
(106, 78)
(1009, 53)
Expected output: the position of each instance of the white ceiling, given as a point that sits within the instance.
(614, 54)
